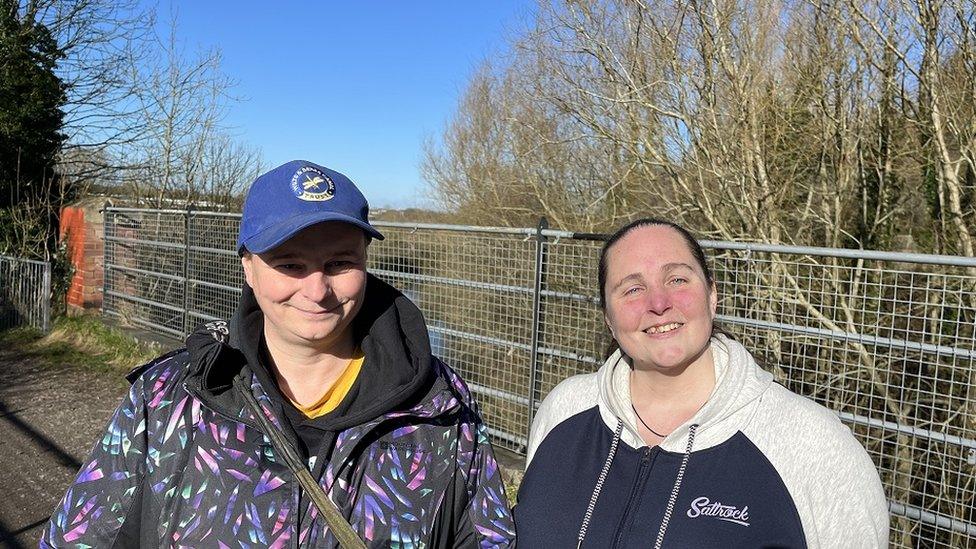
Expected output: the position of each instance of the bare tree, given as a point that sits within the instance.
(840, 123)
(140, 109)
(185, 151)
(100, 39)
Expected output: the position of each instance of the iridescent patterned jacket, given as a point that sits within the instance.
(183, 463)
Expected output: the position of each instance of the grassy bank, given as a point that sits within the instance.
(80, 341)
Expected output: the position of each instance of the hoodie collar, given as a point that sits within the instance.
(739, 381)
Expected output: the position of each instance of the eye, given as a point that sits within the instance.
(632, 290)
(288, 267)
(677, 280)
(339, 265)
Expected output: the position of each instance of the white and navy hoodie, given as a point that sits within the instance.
(757, 466)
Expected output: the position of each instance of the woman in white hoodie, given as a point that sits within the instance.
(681, 439)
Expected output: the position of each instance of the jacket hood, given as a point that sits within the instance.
(389, 328)
(739, 382)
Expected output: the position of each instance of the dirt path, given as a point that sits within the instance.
(49, 418)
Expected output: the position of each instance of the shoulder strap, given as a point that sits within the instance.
(340, 527)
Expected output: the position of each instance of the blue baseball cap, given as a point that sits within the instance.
(296, 195)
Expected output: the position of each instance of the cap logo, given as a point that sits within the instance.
(309, 183)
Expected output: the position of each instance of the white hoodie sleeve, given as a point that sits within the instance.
(570, 397)
(830, 476)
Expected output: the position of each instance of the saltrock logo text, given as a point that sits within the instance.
(703, 507)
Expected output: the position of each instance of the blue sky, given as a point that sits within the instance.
(355, 86)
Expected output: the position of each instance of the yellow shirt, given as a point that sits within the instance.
(331, 399)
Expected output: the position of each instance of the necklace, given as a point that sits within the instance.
(648, 427)
(644, 423)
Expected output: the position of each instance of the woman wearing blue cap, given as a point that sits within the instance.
(316, 417)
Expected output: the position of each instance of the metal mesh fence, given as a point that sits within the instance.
(145, 268)
(476, 291)
(886, 343)
(170, 270)
(885, 340)
(25, 293)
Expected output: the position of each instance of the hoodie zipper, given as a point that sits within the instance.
(644, 467)
(643, 473)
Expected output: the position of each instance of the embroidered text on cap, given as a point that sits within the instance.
(309, 183)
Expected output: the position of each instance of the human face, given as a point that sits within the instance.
(660, 307)
(311, 286)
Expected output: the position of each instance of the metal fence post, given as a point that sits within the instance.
(107, 280)
(186, 271)
(46, 298)
(540, 267)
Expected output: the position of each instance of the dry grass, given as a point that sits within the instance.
(82, 341)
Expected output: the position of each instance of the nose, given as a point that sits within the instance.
(316, 286)
(658, 301)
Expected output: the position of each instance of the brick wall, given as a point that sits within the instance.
(83, 226)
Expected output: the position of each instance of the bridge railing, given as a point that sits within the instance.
(886, 340)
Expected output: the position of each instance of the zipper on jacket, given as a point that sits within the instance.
(644, 467)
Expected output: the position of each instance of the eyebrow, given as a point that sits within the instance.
(272, 255)
(631, 277)
(672, 266)
(279, 255)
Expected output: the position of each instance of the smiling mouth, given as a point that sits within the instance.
(323, 311)
(663, 328)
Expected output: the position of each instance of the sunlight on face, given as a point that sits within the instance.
(660, 307)
(311, 286)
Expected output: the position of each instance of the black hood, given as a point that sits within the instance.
(389, 328)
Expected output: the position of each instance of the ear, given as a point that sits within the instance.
(606, 318)
(246, 263)
(713, 299)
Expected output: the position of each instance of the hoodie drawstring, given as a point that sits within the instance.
(599, 484)
(603, 477)
(677, 486)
